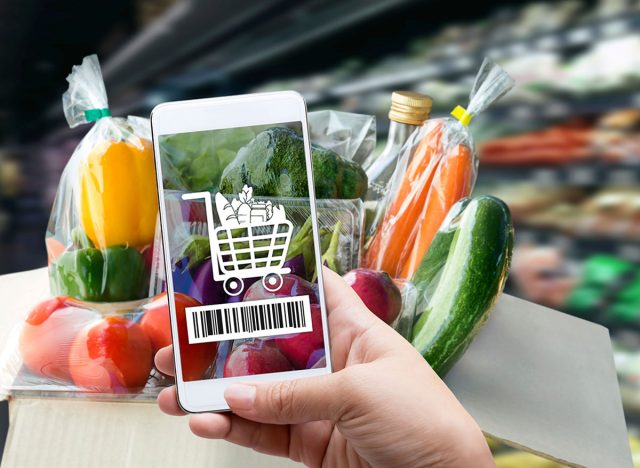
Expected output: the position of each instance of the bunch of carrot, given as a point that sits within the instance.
(438, 175)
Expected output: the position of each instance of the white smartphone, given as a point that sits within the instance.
(241, 243)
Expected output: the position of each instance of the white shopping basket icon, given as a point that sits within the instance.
(248, 250)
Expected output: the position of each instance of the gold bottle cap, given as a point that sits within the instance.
(410, 107)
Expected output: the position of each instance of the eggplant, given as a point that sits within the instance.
(204, 288)
(296, 264)
(182, 278)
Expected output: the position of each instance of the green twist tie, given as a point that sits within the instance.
(96, 114)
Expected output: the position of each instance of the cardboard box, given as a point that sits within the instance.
(534, 378)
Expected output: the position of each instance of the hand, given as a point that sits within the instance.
(383, 405)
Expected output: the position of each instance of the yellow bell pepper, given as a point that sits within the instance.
(118, 194)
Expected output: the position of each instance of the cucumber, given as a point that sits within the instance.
(427, 275)
(470, 282)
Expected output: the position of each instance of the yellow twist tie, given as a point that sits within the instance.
(462, 115)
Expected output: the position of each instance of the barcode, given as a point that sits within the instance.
(253, 319)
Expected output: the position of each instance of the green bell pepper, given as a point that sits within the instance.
(115, 274)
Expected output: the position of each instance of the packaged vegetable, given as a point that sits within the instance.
(273, 163)
(460, 278)
(103, 220)
(195, 161)
(437, 168)
(95, 336)
(66, 347)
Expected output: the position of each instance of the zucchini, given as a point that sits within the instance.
(427, 275)
(470, 282)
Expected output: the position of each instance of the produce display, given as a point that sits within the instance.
(560, 144)
(432, 269)
(611, 138)
(611, 212)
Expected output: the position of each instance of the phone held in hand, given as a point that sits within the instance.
(243, 266)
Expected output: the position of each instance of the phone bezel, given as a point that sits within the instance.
(223, 113)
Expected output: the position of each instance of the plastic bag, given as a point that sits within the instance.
(99, 331)
(103, 220)
(437, 167)
(352, 136)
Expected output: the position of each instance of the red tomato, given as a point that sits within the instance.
(55, 248)
(112, 355)
(156, 323)
(195, 358)
(47, 334)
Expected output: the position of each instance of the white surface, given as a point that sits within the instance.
(544, 380)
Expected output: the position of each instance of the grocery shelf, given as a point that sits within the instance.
(272, 38)
(559, 106)
(228, 49)
(459, 63)
(592, 173)
(579, 244)
(184, 28)
(556, 108)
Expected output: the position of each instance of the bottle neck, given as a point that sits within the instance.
(398, 134)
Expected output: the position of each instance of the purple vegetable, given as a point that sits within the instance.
(247, 283)
(182, 278)
(204, 288)
(297, 266)
(315, 357)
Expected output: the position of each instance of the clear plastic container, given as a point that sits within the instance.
(189, 246)
(67, 348)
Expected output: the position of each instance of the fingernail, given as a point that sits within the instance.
(240, 396)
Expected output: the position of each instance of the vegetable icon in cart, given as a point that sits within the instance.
(251, 242)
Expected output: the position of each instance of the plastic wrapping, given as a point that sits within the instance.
(410, 295)
(66, 348)
(340, 224)
(91, 336)
(352, 136)
(103, 220)
(437, 167)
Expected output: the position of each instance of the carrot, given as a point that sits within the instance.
(397, 228)
(453, 180)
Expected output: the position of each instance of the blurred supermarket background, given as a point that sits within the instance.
(563, 149)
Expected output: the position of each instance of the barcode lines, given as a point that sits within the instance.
(249, 319)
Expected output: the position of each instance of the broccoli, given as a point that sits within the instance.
(273, 164)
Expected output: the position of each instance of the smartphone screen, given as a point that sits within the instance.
(242, 251)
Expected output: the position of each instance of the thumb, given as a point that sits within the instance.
(289, 401)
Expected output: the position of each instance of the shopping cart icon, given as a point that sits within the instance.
(246, 251)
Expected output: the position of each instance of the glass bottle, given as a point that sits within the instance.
(408, 111)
